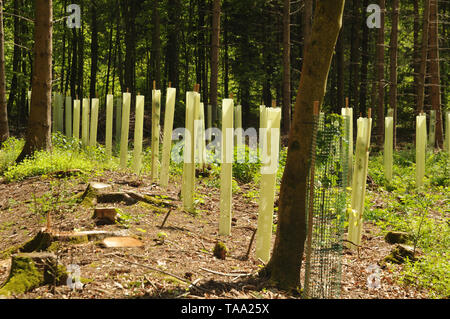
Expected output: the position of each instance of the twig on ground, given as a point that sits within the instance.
(163, 272)
(225, 274)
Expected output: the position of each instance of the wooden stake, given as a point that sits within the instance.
(316, 108)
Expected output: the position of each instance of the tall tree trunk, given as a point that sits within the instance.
(39, 125)
(173, 30)
(393, 63)
(416, 54)
(286, 109)
(340, 70)
(363, 90)
(424, 57)
(63, 58)
(306, 22)
(226, 57)
(355, 54)
(435, 71)
(215, 47)
(380, 76)
(16, 64)
(4, 128)
(80, 59)
(110, 49)
(284, 266)
(156, 45)
(74, 64)
(94, 51)
(130, 9)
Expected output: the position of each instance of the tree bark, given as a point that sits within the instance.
(364, 68)
(284, 266)
(424, 57)
(393, 47)
(306, 22)
(156, 45)
(172, 56)
(4, 128)
(15, 64)
(94, 51)
(39, 124)
(380, 76)
(435, 72)
(416, 54)
(215, 47)
(355, 54)
(286, 109)
(340, 71)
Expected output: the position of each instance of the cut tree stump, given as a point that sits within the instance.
(32, 270)
(107, 215)
(397, 237)
(121, 242)
(45, 238)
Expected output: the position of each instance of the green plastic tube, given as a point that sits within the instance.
(167, 139)
(138, 134)
(124, 131)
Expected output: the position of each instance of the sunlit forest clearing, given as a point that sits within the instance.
(224, 149)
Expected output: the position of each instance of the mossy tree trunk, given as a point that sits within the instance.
(39, 124)
(284, 266)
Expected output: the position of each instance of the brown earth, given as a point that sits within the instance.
(182, 265)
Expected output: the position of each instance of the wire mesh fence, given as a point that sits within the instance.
(327, 207)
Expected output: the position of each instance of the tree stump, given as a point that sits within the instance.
(32, 270)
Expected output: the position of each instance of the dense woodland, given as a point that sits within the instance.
(126, 45)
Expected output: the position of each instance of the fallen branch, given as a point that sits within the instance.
(165, 219)
(163, 272)
(227, 275)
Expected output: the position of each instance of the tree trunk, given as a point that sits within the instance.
(74, 64)
(130, 9)
(94, 51)
(4, 128)
(39, 125)
(15, 64)
(355, 54)
(173, 29)
(156, 45)
(80, 59)
(340, 71)
(435, 72)
(380, 76)
(416, 54)
(306, 22)
(364, 68)
(424, 56)
(286, 109)
(393, 47)
(284, 266)
(215, 47)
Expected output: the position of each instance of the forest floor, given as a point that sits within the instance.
(183, 265)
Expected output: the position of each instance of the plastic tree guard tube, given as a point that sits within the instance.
(421, 143)
(124, 129)
(138, 134)
(68, 117)
(94, 123)
(156, 114)
(167, 139)
(226, 173)
(85, 123)
(109, 124)
(76, 119)
(268, 182)
(388, 147)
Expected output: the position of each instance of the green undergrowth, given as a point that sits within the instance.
(66, 154)
(421, 212)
